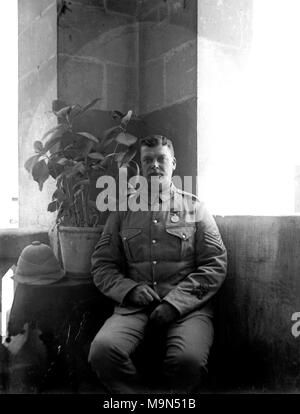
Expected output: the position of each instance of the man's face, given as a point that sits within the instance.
(158, 162)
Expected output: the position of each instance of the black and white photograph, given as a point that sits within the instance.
(149, 216)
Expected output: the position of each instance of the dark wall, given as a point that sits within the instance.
(97, 54)
(254, 345)
(178, 122)
(168, 76)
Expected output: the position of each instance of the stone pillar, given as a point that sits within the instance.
(37, 89)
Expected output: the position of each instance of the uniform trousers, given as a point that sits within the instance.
(185, 350)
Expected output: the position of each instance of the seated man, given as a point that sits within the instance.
(161, 266)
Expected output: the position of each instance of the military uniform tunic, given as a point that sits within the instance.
(178, 252)
(175, 247)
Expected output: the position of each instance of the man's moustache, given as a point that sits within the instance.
(155, 173)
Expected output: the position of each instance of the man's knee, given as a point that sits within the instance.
(100, 352)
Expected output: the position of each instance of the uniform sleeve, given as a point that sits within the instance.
(211, 265)
(108, 262)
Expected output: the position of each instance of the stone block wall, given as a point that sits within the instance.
(167, 53)
(168, 75)
(97, 54)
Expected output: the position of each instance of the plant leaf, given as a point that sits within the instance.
(29, 164)
(96, 156)
(72, 153)
(38, 147)
(126, 139)
(77, 168)
(98, 167)
(52, 206)
(129, 155)
(56, 137)
(63, 161)
(87, 149)
(126, 118)
(40, 173)
(58, 195)
(119, 156)
(117, 115)
(105, 163)
(88, 106)
(63, 112)
(111, 133)
(75, 111)
(80, 183)
(88, 136)
(54, 169)
(54, 129)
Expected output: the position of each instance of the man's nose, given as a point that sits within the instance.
(154, 164)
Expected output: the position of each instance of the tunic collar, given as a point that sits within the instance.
(170, 199)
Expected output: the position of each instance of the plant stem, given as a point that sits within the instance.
(84, 210)
(77, 214)
(72, 201)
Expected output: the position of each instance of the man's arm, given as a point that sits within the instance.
(211, 266)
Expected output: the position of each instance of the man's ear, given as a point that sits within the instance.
(174, 163)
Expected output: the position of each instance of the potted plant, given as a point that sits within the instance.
(75, 158)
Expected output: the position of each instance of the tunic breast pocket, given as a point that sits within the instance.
(131, 241)
(183, 239)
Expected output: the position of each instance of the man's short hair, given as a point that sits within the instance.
(155, 140)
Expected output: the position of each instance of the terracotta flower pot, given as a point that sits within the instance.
(77, 245)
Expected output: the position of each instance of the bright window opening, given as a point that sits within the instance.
(250, 162)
